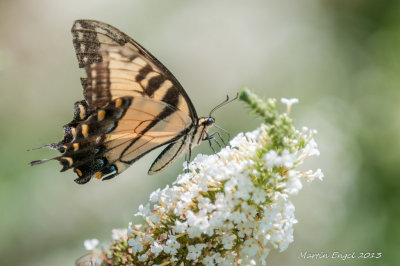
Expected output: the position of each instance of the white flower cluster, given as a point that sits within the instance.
(230, 208)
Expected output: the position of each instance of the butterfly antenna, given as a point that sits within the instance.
(223, 103)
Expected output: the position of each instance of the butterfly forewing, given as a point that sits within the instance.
(145, 123)
(130, 63)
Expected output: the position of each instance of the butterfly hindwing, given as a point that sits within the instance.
(168, 156)
(114, 137)
(86, 151)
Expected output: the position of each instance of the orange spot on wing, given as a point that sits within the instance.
(118, 102)
(98, 174)
(79, 172)
(73, 132)
(76, 146)
(101, 114)
(85, 130)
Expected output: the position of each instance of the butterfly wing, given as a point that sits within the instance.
(138, 125)
(149, 77)
(168, 155)
(132, 105)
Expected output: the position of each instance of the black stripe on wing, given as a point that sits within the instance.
(90, 37)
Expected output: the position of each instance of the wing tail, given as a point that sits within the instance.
(53, 146)
(33, 163)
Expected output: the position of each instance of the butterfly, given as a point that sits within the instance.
(132, 105)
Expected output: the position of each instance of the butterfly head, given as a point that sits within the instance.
(207, 122)
(203, 126)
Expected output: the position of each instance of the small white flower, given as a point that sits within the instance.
(199, 220)
(194, 232)
(238, 140)
(195, 251)
(180, 208)
(154, 219)
(186, 197)
(287, 159)
(148, 239)
(143, 257)
(136, 244)
(228, 241)
(312, 148)
(171, 246)
(220, 201)
(263, 256)
(208, 261)
(265, 225)
(90, 244)
(155, 195)
(259, 196)
(249, 210)
(205, 204)
(143, 210)
(119, 233)
(230, 186)
(293, 186)
(219, 260)
(245, 229)
(184, 178)
(194, 190)
(272, 159)
(250, 247)
(217, 219)
(156, 248)
(237, 217)
(289, 102)
(244, 188)
(319, 174)
(180, 227)
(129, 230)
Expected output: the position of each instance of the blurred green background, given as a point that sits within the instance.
(341, 58)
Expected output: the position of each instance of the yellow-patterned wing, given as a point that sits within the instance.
(132, 105)
(134, 67)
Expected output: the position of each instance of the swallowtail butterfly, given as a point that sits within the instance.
(132, 105)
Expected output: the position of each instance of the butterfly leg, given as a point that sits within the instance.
(225, 132)
(187, 164)
(209, 138)
(220, 137)
(216, 141)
